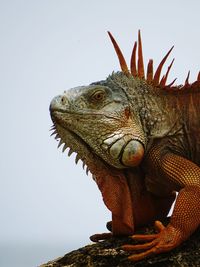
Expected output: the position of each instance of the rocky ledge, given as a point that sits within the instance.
(109, 254)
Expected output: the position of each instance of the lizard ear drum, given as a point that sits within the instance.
(132, 154)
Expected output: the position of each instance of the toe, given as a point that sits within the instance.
(141, 256)
(159, 226)
(98, 237)
(144, 237)
(145, 246)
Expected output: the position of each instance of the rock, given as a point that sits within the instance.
(108, 253)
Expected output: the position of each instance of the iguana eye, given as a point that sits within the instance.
(98, 96)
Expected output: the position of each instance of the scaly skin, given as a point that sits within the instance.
(141, 143)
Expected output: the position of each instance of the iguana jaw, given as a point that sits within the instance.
(119, 149)
(71, 141)
(74, 143)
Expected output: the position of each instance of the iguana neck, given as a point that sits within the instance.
(153, 107)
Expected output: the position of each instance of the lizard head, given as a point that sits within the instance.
(98, 118)
(109, 119)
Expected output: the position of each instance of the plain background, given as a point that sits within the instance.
(48, 205)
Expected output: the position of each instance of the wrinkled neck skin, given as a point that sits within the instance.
(157, 110)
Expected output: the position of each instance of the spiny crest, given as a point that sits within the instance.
(137, 70)
(67, 146)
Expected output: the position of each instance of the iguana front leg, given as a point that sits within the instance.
(179, 173)
(145, 206)
(147, 209)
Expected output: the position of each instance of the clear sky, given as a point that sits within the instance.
(47, 47)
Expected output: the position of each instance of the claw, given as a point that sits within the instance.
(139, 247)
(159, 226)
(140, 256)
(166, 239)
(99, 237)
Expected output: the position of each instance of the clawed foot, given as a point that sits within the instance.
(100, 237)
(104, 236)
(166, 239)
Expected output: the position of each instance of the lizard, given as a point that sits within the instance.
(140, 139)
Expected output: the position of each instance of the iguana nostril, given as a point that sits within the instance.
(63, 100)
(59, 102)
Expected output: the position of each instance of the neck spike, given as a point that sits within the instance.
(133, 61)
(150, 71)
(137, 70)
(159, 69)
(120, 56)
(187, 79)
(140, 57)
(198, 77)
(164, 78)
(170, 85)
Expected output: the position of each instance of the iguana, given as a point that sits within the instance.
(140, 139)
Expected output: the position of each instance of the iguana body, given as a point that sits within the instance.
(141, 141)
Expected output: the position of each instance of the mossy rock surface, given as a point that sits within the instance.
(109, 254)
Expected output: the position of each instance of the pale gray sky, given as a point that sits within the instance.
(46, 47)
